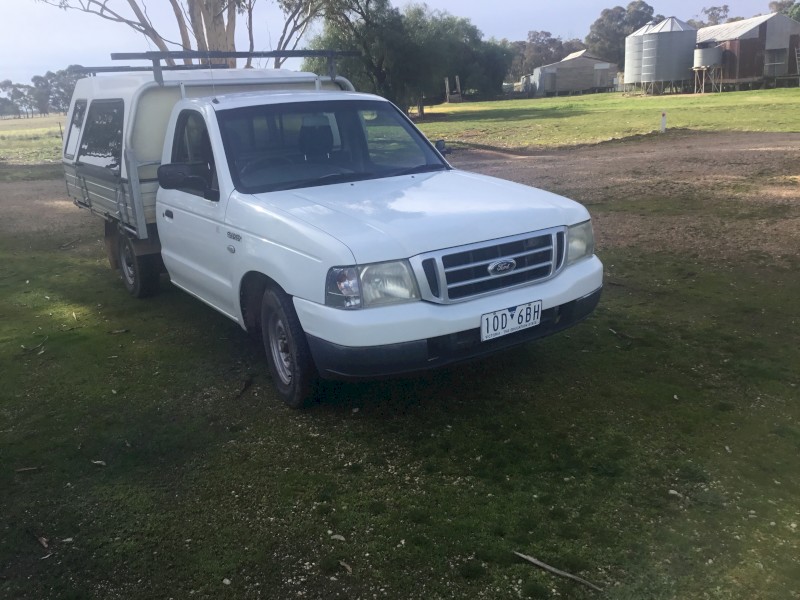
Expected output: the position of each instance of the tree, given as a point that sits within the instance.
(211, 23)
(51, 91)
(541, 48)
(790, 8)
(19, 95)
(406, 56)
(716, 14)
(40, 94)
(298, 17)
(61, 84)
(377, 30)
(8, 108)
(447, 46)
(781, 6)
(203, 25)
(607, 34)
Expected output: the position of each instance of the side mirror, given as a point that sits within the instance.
(442, 147)
(177, 176)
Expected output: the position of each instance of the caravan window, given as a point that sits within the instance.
(75, 124)
(101, 144)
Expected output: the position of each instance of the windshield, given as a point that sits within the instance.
(303, 144)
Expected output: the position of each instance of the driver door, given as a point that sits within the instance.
(194, 245)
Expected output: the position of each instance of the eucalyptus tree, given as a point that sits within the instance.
(202, 25)
(607, 34)
(406, 55)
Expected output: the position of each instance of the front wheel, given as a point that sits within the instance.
(140, 273)
(288, 355)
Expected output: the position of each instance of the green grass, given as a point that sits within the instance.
(519, 124)
(566, 121)
(565, 450)
(30, 141)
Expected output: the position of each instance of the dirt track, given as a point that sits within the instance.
(752, 178)
(620, 182)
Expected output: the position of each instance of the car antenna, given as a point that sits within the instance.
(211, 72)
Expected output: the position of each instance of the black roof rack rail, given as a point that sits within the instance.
(96, 70)
(157, 57)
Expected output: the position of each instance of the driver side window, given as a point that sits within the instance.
(192, 147)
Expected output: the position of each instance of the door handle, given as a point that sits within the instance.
(167, 214)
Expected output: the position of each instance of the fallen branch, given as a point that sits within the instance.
(35, 347)
(558, 572)
(28, 469)
(624, 335)
(68, 244)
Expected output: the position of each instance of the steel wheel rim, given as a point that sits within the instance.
(280, 348)
(128, 270)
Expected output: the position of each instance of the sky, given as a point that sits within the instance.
(38, 38)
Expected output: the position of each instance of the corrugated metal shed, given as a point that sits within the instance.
(580, 53)
(755, 49)
(748, 28)
(577, 72)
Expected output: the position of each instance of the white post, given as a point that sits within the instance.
(663, 122)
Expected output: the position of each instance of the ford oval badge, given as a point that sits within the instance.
(501, 267)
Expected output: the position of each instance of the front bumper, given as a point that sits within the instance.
(364, 362)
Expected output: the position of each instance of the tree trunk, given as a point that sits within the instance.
(148, 29)
(186, 41)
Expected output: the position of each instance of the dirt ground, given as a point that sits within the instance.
(756, 175)
(753, 179)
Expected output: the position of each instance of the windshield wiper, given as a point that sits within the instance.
(425, 168)
(322, 180)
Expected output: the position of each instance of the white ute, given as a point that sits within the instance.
(323, 220)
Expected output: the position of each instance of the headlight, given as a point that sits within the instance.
(378, 284)
(580, 241)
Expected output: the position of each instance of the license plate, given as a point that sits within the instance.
(510, 320)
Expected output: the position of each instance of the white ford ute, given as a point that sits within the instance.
(324, 221)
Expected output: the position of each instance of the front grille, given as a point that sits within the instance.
(463, 273)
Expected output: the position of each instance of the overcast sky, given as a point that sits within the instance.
(37, 38)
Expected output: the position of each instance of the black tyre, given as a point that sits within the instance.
(140, 274)
(288, 355)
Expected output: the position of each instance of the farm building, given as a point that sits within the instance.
(751, 51)
(660, 55)
(577, 72)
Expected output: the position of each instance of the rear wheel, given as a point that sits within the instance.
(140, 274)
(288, 355)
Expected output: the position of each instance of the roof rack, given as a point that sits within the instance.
(96, 70)
(157, 68)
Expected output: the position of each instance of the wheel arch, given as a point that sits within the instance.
(251, 292)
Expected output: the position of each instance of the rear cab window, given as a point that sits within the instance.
(101, 143)
(75, 125)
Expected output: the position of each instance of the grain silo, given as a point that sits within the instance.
(668, 54)
(707, 56)
(707, 68)
(633, 54)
